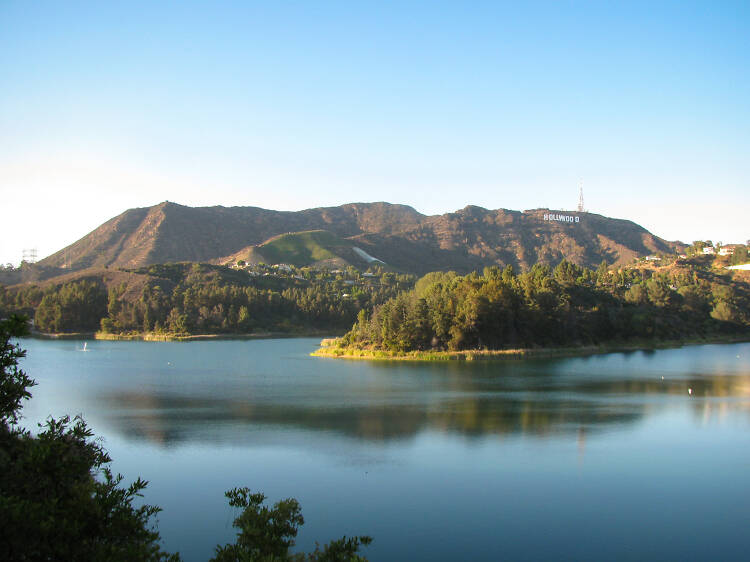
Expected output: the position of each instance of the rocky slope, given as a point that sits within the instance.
(468, 239)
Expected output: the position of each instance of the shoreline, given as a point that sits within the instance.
(332, 352)
(152, 337)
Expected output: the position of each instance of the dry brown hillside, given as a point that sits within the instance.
(465, 240)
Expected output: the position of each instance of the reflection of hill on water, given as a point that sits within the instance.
(468, 406)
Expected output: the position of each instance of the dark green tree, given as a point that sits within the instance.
(739, 256)
(14, 383)
(267, 533)
(659, 292)
(725, 312)
(636, 294)
(58, 498)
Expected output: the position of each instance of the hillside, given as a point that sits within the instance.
(465, 240)
(190, 298)
(319, 248)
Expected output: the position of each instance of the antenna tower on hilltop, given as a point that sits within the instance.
(581, 209)
(29, 255)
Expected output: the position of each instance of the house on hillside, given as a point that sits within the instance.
(653, 258)
(709, 250)
(727, 250)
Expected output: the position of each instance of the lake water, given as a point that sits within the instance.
(607, 457)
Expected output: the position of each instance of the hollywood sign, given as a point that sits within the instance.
(561, 218)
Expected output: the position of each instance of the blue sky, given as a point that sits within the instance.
(106, 106)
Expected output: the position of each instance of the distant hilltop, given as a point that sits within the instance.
(357, 234)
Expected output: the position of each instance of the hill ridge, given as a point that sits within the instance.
(464, 240)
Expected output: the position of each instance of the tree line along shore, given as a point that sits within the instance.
(498, 312)
(189, 301)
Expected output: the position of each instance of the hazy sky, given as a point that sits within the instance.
(106, 106)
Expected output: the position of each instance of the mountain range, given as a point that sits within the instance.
(358, 234)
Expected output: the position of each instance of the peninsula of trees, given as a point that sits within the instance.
(544, 307)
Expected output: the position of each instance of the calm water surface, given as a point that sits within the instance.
(605, 457)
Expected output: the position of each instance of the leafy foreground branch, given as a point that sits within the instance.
(268, 533)
(60, 501)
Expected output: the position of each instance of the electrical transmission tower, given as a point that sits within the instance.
(581, 208)
(29, 255)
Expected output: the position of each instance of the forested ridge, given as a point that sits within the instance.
(555, 307)
(204, 299)
(498, 309)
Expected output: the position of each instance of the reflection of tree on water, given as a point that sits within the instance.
(581, 441)
(470, 406)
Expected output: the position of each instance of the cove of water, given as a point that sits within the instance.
(626, 456)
